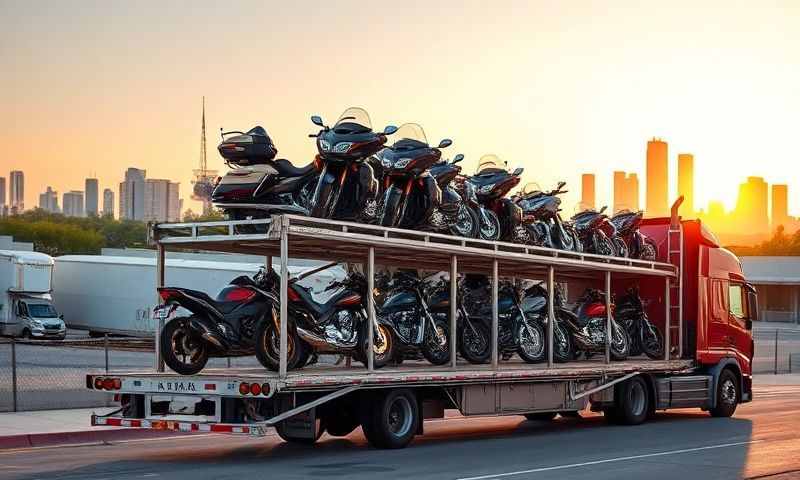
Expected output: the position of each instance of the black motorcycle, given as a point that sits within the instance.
(639, 245)
(597, 234)
(517, 331)
(418, 325)
(541, 209)
(260, 185)
(500, 218)
(338, 325)
(233, 324)
(347, 186)
(416, 187)
(534, 304)
(587, 325)
(645, 337)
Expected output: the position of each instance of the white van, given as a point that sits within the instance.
(26, 306)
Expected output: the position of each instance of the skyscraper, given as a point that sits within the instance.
(91, 189)
(657, 178)
(632, 188)
(108, 202)
(626, 191)
(751, 206)
(162, 201)
(780, 206)
(2, 192)
(132, 194)
(17, 191)
(73, 203)
(686, 183)
(48, 201)
(587, 191)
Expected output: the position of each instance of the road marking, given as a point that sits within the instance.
(609, 460)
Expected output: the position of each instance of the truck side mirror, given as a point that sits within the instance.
(752, 308)
(61, 316)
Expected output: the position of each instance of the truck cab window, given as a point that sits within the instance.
(22, 309)
(735, 300)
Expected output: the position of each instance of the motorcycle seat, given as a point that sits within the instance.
(286, 169)
(221, 306)
(319, 309)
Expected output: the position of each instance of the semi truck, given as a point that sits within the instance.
(26, 304)
(696, 294)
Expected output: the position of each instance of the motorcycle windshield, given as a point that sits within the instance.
(530, 189)
(410, 136)
(353, 120)
(489, 163)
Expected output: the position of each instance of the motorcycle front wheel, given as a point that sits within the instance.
(562, 344)
(475, 343)
(467, 224)
(182, 349)
(652, 341)
(532, 342)
(436, 349)
(620, 342)
(649, 250)
(489, 225)
(621, 247)
(268, 347)
(384, 348)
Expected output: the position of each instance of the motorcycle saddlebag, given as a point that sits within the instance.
(240, 184)
(253, 147)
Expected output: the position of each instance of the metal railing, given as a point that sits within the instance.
(776, 351)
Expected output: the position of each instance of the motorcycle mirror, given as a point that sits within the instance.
(445, 143)
(390, 129)
(317, 120)
(458, 158)
(560, 184)
(518, 171)
(603, 209)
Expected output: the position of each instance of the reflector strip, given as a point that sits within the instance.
(178, 426)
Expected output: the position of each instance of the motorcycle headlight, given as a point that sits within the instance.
(386, 163)
(324, 145)
(342, 147)
(486, 189)
(402, 163)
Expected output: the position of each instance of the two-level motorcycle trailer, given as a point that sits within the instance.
(691, 292)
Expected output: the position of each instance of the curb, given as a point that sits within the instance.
(37, 440)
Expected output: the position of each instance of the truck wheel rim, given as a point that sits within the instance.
(400, 416)
(728, 392)
(637, 399)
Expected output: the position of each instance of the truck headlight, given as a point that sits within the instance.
(37, 324)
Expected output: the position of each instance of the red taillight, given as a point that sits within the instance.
(293, 296)
(98, 383)
(165, 293)
(244, 388)
(265, 388)
(108, 384)
(239, 294)
(255, 389)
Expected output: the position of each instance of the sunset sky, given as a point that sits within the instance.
(560, 88)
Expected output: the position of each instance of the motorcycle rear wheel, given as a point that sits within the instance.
(649, 251)
(562, 344)
(267, 340)
(532, 345)
(183, 350)
(652, 341)
(384, 353)
(434, 351)
(475, 346)
(620, 344)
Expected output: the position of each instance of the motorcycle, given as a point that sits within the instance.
(645, 337)
(534, 303)
(417, 324)
(587, 325)
(233, 324)
(258, 184)
(544, 207)
(597, 234)
(337, 325)
(347, 186)
(501, 218)
(416, 189)
(517, 332)
(639, 245)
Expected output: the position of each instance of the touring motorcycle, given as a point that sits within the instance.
(639, 245)
(645, 337)
(347, 185)
(501, 218)
(597, 234)
(541, 209)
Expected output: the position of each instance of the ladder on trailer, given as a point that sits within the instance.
(675, 257)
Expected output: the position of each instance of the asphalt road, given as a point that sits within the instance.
(761, 441)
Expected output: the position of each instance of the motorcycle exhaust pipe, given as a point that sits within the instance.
(318, 342)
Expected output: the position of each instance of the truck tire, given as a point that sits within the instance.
(540, 416)
(393, 419)
(727, 395)
(279, 428)
(631, 402)
(181, 348)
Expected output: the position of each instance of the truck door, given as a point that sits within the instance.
(738, 317)
(718, 328)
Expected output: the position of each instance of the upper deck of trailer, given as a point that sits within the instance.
(321, 239)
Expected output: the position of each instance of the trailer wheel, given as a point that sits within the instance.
(631, 402)
(341, 424)
(393, 419)
(540, 416)
(287, 437)
(727, 395)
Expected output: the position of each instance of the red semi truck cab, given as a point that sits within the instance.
(716, 304)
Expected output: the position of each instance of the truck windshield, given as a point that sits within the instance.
(42, 310)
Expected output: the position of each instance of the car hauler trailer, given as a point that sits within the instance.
(706, 361)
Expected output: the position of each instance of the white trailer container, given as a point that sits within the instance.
(110, 294)
(25, 303)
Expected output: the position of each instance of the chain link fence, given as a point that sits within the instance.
(776, 351)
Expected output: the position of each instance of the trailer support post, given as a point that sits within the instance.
(668, 314)
(495, 321)
(551, 313)
(160, 261)
(370, 309)
(284, 313)
(453, 308)
(608, 317)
